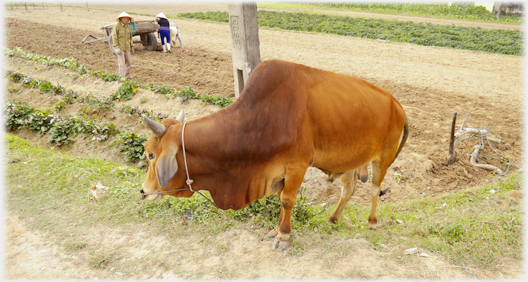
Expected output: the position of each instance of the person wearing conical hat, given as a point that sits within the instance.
(164, 32)
(123, 44)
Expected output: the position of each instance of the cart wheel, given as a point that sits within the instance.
(151, 42)
(110, 45)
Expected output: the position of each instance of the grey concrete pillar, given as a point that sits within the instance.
(244, 37)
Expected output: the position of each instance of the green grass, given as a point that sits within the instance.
(474, 228)
(465, 12)
(508, 42)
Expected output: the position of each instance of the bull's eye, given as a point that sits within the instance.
(151, 156)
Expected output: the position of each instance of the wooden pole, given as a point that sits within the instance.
(245, 42)
(25, 4)
(451, 155)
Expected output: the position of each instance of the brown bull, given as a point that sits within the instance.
(288, 117)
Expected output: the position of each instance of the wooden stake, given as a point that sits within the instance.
(451, 155)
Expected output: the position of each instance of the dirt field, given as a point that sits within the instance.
(431, 84)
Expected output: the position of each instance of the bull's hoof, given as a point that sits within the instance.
(271, 235)
(280, 245)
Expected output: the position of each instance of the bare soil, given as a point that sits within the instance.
(431, 84)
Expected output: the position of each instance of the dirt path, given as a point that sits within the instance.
(431, 83)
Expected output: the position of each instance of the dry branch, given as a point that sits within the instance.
(473, 161)
(451, 155)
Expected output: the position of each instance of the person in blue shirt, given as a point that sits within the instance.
(164, 32)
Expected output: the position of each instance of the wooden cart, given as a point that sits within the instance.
(146, 30)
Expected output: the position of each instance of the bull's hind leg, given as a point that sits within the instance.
(348, 180)
(378, 173)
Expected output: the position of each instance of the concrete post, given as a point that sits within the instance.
(244, 37)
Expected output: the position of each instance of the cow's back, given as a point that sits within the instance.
(349, 118)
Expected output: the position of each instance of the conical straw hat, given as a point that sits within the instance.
(124, 15)
(161, 15)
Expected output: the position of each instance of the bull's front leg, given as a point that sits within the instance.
(288, 196)
(275, 231)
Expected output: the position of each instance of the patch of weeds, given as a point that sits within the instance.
(143, 100)
(221, 248)
(96, 103)
(75, 246)
(102, 259)
(12, 89)
(14, 76)
(266, 212)
(70, 96)
(60, 106)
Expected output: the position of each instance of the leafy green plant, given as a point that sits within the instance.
(103, 131)
(45, 86)
(40, 121)
(186, 94)
(160, 89)
(16, 113)
(126, 91)
(133, 146)
(107, 76)
(63, 131)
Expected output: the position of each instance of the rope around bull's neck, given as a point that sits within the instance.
(189, 180)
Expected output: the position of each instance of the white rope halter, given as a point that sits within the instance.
(189, 180)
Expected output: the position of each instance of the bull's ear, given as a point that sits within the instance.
(181, 116)
(157, 128)
(166, 167)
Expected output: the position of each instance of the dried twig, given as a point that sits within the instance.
(451, 156)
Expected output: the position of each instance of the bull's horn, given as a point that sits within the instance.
(156, 127)
(181, 116)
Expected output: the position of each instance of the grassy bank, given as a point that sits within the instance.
(508, 42)
(476, 228)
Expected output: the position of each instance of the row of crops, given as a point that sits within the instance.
(508, 42)
(439, 10)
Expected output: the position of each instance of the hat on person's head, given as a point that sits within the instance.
(124, 15)
(161, 15)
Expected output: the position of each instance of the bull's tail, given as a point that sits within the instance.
(405, 134)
